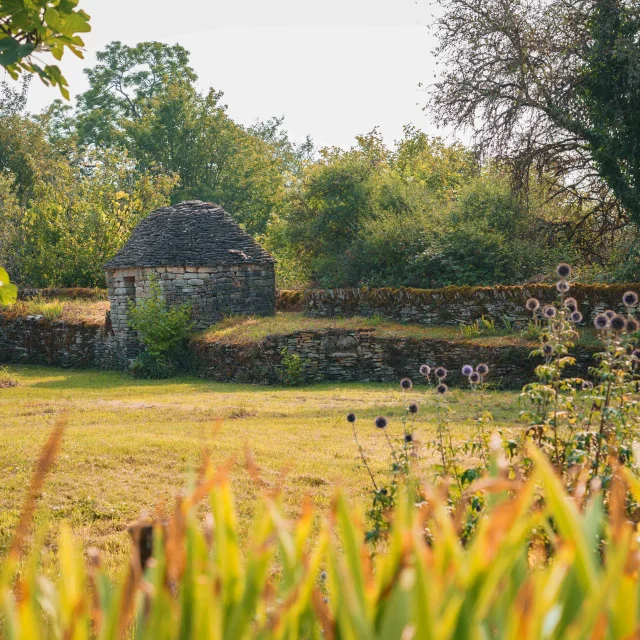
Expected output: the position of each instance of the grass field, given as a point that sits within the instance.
(130, 445)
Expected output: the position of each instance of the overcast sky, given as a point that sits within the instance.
(333, 68)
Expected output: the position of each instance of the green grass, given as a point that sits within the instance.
(130, 445)
(249, 330)
(60, 309)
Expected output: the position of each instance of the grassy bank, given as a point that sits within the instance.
(130, 445)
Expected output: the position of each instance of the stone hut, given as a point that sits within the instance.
(198, 254)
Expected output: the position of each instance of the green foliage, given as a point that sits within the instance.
(8, 291)
(162, 328)
(508, 581)
(291, 371)
(29, 28)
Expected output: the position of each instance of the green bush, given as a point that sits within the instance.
(291, 372)
(163, 330)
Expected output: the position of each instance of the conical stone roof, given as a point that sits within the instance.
(192, 233)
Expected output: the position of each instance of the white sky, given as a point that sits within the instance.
(333, 68)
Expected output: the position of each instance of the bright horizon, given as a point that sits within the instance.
(334, 69)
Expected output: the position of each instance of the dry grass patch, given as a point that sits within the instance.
(132, 444)
(75, 311)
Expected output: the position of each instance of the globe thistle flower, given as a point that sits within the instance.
(482, 369)
(413, 407)
(545, 337)
(576, 317)
(547, 349)
(408, 437)
(351, 417)
(586, 385)
(602, 321)
(549, 311)
(406, 384)
(632, 325)
(474, 378)
(610, 314)
(425, 370)
(630, 299)
(618, 323)
(532, 304)
(441, 373)
(563, 270)
(467, 370)
(563, 286)
(381, 422)
(442, 388)
(570, 302)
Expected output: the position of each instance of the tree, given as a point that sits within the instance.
(29, 28)
(531, 79)
(123, 83)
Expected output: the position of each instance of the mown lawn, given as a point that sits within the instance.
(131, 445)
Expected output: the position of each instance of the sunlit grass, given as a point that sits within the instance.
(56, 309)
(130, 444)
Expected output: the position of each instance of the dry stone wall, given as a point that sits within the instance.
(450, 305)
(362, 356)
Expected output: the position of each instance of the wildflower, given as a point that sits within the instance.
(563, 286)
(547, 349)
(632, 325)
(586, 385)
(571, 302)
(610, 314)
(532, 304)
(381, 422)
(323, 576)
(602, 321)
(549, 311)
(618, 323)
(545, 337)
(474, 378)
(563, 270)
(630, 299)
(413, 408)
(425, 369)
(442, 388)
(482, 369)
(576, 317)
(406, 384)
(441, 373)
(351, 417)
(636, 354)
(408, 437)
(467, 370)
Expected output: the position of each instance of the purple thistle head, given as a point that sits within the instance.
(586, 385)
(406, 384)
(563, 286)
(601, 321)
(408, 437)
(610, 314)
(474, 378)
(532, 304)
(547, 349)
(425, 370)
(381, 422)
(482, 369)
(442, 388)
(563, 270)
(549, 311)
(630, 299)
(618, 323)
(413, 407)
(441, 373)
(632, 325)
(467, 370)
(576, 317)
(571, 304)
(351, 417)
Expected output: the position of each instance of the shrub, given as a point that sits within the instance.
(508, 582)
(163, 330)
(291, 372)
